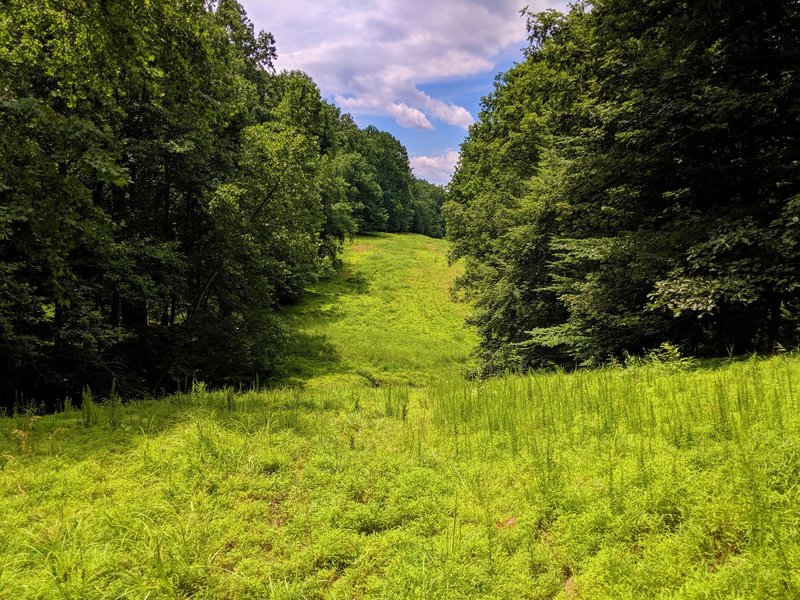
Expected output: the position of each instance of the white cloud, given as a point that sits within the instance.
(438, 169)
(449, 113)
(408, 116)
(373, 56)
(404, 114)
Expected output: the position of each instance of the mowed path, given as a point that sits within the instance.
(386, 318)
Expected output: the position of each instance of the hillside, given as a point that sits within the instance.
(387, 317)
(656, 480)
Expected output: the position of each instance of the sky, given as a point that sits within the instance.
(415, 68)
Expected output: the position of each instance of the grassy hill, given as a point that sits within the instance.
(655, 481)
(387, 317)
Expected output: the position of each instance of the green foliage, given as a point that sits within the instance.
(88, 408)
(163, 191)
(634, 181)
(387, 165)
(364, 192)
(427, 200)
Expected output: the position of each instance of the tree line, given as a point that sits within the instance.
(635, 180)
(163, 190)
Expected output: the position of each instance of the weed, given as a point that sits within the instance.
(230, 399)
(114, 404)
(88, 408)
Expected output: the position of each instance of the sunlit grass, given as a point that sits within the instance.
(386, 318)
(615, 483)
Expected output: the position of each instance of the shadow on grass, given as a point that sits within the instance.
(108, 432)
(358, 283)
(309, 354)
(76, 436)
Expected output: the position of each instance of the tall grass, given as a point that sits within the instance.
(614, 483)
(701, 462)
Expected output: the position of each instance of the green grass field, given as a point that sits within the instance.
(656, 481)
(387, 318)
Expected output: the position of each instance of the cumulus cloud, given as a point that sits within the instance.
(405, 115)
(408, 116)
(438, 169)
(373, 57)
(449, 113)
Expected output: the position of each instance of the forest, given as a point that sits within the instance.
(635, 181)
(246, 352)
(164, 190)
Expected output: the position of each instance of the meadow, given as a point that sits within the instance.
(387, 317)
(381, 472)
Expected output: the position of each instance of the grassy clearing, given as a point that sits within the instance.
(655, 481)
(607, 484)
(386, 318)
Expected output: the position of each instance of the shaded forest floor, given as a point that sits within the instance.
(655, 481)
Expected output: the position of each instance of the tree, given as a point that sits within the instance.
(634, 181)
(389, 160)
(163, 191)
(426, 205)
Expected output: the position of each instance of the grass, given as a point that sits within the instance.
(386, 318)
(656, 481)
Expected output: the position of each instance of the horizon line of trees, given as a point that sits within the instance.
(163, 190)
(635, 180)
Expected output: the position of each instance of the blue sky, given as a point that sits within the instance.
(415, 68)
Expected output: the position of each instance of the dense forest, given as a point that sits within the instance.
(163, 190)
(635, 180)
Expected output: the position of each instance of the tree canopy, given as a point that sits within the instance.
(635, 180)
